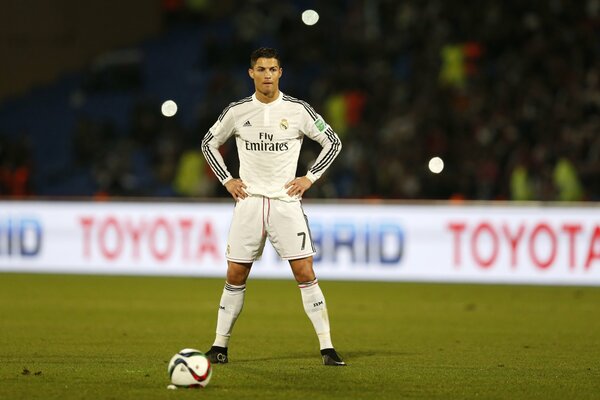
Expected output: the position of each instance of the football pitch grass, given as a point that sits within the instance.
(100, 337)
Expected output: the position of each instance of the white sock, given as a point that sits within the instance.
(230, 307)
(316, 309)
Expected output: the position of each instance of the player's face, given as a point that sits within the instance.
(266, 74)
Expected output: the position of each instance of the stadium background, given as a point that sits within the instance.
(506, 93)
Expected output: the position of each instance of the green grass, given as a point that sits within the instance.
(90, 337)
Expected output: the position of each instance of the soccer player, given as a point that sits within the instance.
(269, 127)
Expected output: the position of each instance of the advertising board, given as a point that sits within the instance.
(354, 241)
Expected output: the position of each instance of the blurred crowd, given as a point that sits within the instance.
(15, 167)
(507, 93)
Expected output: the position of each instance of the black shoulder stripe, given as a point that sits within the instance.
(236, 103)
(308, 108)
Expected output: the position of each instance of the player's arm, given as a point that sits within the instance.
(214, 138)
(318, 130)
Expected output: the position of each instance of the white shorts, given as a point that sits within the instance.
(255, 218)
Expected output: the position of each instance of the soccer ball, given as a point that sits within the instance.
(189, 368)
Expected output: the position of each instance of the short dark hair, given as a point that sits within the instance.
(264, 52)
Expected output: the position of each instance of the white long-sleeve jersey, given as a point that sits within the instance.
(269, 138)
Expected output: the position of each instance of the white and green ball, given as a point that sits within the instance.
(189, 368)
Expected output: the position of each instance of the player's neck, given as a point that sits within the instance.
(267, 97)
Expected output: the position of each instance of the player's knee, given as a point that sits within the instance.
(301, 278)
(236, 279)
(237, 274)
(303, 269)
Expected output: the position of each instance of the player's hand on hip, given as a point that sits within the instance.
(298, 186)
(236, 188)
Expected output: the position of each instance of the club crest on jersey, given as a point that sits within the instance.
(284, 124)
(320, 124)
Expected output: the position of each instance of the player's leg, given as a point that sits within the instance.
(315, 307)
(290, 235)
(230, 307)
(232, 301)
(244, 245)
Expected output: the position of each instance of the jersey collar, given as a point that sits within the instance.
(276, 101)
